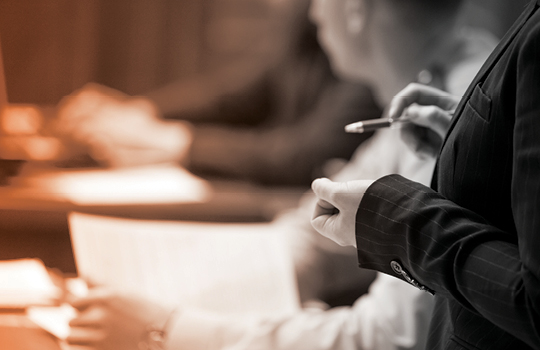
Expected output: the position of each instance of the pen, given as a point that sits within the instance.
(374, 124)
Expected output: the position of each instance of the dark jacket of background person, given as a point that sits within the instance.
(275, 123)
(474, 242)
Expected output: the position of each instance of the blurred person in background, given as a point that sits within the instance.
(389, 43)
(273, 121)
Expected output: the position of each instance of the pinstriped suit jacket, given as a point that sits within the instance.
(475, 241)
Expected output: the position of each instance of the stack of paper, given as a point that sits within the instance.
(26, 282)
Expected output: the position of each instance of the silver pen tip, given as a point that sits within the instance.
(355, 127)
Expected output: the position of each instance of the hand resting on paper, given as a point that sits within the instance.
(112, 321)
(121, 130)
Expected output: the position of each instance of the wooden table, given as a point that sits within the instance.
(17, 332)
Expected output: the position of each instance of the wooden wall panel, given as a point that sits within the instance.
(48, 47)
(53, 47)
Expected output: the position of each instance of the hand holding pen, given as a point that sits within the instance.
(422, 112)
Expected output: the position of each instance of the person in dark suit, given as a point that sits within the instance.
(473, 238)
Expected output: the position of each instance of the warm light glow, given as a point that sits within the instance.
(21, 120)
(30, 147)
(143, 185)
(43, 148)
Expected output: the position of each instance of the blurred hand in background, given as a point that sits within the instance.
(120, 130)
(111, 320)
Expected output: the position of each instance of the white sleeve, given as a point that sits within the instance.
(392, 316)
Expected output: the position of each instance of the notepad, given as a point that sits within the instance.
(242, 269)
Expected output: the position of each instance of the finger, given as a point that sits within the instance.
(78, 347)
(85, 102)
(85, 336)
(95, 296)
(92, 283)
(432, 117)
(79, 104)
(323, 218)
(322, 207)
(324, 189)
(92, 317)
(422, 95)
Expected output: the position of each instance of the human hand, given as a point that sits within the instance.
(335, 212)
(121, 130)
(109, 320)
(85, 103)
(429, 111)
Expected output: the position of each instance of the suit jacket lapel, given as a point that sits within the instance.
(492, 59)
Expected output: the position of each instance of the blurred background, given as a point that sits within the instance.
(54, 47)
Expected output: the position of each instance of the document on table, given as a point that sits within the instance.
(155, 184)
(243, 269)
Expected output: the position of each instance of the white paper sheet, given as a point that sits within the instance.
(155, 184)
(230, 268)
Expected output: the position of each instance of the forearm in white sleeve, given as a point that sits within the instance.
(392, 316)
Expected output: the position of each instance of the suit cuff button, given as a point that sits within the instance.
(396, 266)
